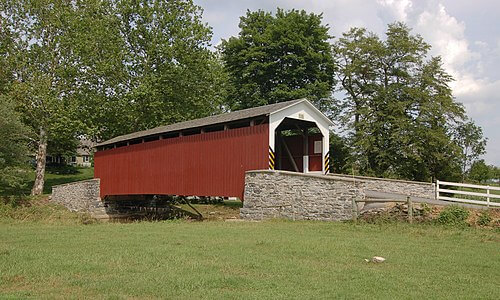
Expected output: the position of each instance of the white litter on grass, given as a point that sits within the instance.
(375, 259)
(378, 259)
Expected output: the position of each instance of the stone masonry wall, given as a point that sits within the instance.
(403, 187)
(80, 196)
(297, 196)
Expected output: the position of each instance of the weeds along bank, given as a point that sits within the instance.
(40, 210)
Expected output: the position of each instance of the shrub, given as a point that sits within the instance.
(426, 209)
(484, 219)
(453, 215)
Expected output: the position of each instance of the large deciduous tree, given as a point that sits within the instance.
(168, 73)
(398, 107)
(279, 57)
(480, 172)
(104, 68)
(43, 65)
(469, 137)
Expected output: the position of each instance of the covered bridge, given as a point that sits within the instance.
(209, 156)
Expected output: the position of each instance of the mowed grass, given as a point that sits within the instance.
(51, 179)
(248, 260)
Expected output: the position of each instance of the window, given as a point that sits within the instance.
(86, 159)
(73, 159)
(318, 145)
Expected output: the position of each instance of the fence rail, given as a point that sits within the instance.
(356, 212)
(484, 198)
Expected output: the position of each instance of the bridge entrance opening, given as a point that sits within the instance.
(299, 146)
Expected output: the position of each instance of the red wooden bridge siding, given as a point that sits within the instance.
(208, 164)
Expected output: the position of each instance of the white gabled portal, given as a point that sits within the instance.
(302, 111)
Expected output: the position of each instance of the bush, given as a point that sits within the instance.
(453, 215)
(484, 219)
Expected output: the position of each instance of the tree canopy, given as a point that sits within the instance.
(13, 149)
(167, 73)
(398, 108)
(104, 68)
(277, 58)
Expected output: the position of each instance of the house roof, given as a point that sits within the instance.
(212, 120)
(85, 147)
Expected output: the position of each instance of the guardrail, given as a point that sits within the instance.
(407, 200)
(481, 196)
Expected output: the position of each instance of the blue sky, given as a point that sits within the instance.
(466, 34)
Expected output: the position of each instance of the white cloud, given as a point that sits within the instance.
(481, 44)
(398, 7)
(446, 35)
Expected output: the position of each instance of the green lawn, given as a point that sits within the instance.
(250, 260)
(55, 179)
(52, 179)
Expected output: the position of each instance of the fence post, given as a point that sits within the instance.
(410, 209)
(354, 210)
(437, 189)
(488, 197)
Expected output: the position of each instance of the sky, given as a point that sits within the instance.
(465, 33)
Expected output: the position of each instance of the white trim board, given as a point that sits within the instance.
(302, 110)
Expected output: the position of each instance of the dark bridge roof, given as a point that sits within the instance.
(212, 120)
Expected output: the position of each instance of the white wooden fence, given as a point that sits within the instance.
(484, 198)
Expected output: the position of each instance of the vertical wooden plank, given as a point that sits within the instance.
(488, 197)
(437, 189)
(410, 209)
(354, 210)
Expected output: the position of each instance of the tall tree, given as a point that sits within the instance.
(398, 107)
(278, 58)
(470, 138)
(42, 71)
(104, 68)
(480, 172)
(13, 133)
(170, 73)
(158, 69)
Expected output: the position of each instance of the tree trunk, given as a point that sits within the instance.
(41, 157)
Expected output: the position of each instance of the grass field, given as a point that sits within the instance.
(52, 179)
(250, 260)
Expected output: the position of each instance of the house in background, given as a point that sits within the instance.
(82, 157)
(83, 154)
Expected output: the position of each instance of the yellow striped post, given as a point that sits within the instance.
(272, 158)
(327, 163)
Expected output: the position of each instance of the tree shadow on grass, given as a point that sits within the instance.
(56, 179)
